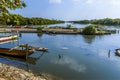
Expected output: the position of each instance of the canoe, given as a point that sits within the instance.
(14, 52)
(8, 41)
(21, 50)
(7, 38)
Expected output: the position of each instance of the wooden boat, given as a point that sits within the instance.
(33, 48)
(8, 41)
(21, 51)
(38, 48)
(7, 38)
(15, 52)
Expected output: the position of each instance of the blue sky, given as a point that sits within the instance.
(71, 9)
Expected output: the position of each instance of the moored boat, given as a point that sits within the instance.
(14, 52)
(21, 50)
(7, 38)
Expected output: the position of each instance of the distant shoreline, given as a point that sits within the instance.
(49, 30)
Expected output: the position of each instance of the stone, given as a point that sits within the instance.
(8, 72)
(22, 76)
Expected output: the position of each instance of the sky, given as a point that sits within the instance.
(71, 9)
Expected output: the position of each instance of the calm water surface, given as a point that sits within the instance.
(71, 57)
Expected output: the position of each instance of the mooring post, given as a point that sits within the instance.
(27, 65)
(27, 51)
(109, 54)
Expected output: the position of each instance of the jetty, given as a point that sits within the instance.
(52, 30)
(73, 31)
(21, 30)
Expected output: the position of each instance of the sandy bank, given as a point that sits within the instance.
(12, 73)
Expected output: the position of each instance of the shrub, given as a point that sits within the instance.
(39, 28)
(75, 29)
(69, 26)
(89, 30)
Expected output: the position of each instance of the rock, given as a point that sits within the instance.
(12, 73)
(2, 79)
(22, 77)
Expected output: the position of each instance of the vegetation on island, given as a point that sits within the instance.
(69, 26)
(92, 29)
(89, 30)
(39, 28)
(106, 21)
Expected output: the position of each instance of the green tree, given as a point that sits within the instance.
(69, 26)
(89, 30)
(10, 4)
(39, 28)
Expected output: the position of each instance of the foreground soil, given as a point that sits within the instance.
(12, 73)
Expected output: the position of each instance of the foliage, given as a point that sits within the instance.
(10, 4)
(75, 29)
(89, 30)
(39, 28)
(106, 21)
(69, 26)
(40, 34)
(82, 21)
(16, 19)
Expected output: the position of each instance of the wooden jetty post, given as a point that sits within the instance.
(109, 54)
(27, 65)
(27, 51)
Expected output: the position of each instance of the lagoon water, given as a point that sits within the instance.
(71, 57)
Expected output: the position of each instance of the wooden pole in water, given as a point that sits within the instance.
(27, 57)
(27, 51)
(109, 54)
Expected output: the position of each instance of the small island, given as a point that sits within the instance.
(90, 29)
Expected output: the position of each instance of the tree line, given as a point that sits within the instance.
(106, 21)
(16, 19)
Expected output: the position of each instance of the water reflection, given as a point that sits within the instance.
(59, 56)
(33, 60)
(71, 63)
(40, 34)
(89, 38)
(109, 54)
(30, 60)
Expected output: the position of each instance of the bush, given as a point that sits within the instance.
(69, 26)
(89, 30)
(39, 28)
(75, 29)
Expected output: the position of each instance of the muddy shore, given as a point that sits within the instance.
(8, 72)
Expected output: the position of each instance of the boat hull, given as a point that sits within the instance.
(7, 38)
(15, 53)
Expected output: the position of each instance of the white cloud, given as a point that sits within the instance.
(71, 63)
(55, 1)
(107, 2)
(89, 1)
(115, 2)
